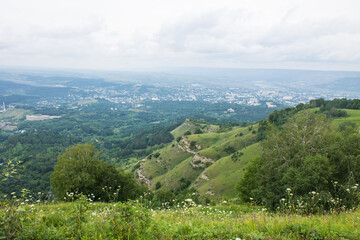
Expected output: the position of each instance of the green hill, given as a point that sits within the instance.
(211, 159)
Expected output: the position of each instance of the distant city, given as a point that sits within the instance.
(250, 87)
(193, 92)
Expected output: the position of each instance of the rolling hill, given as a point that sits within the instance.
(208, 159)
(211, 161)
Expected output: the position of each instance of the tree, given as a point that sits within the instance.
(293, 157)
(304, 155)
(80, 170)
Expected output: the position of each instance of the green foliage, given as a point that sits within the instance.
(227, 126)
(263, 124)
(347, 124)
(120, 134)
(8, 170)
(336, 103)
(157, 185)
(331, 108)
(81, 205)
(11, 214)
(129, 220)
(249, 185)
(10, 220)
(187, 133)
(183, 184)
(80, 170)
(229, 149)
(280, 117)
(305, 156)
(198, 131)
(163, 196)
(236, 156)
(38, 152)
(193, 145)
(185, 220)
(331, 112)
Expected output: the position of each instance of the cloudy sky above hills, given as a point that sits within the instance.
(111, 34)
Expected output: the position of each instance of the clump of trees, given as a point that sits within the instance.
(81, 170)
(306, 155)
(336, 103)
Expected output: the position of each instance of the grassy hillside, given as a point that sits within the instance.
(192, 126)
(354, 116)
(203, 161)
(212, 161)
(219, 179)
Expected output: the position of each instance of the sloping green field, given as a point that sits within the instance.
(168, 158)
(354, 116)
(172, 167)
(225, 173)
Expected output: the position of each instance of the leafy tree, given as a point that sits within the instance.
(80, 170)
(347, 124)
(229, 149)
(305, 155)
(163, 196)
(287, 160)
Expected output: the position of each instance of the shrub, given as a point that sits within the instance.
(129, 220)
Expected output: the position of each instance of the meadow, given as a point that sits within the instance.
(83, 219)
(354, 116)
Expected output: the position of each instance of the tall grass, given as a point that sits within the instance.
(83, 219)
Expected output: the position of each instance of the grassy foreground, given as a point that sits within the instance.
(84, 220)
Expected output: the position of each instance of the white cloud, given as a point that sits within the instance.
(117, 34)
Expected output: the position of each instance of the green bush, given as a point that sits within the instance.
(128, 220)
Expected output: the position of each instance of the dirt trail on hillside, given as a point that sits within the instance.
(140, 174)
(197, 161)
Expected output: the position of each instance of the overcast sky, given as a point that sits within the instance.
(116, 34)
